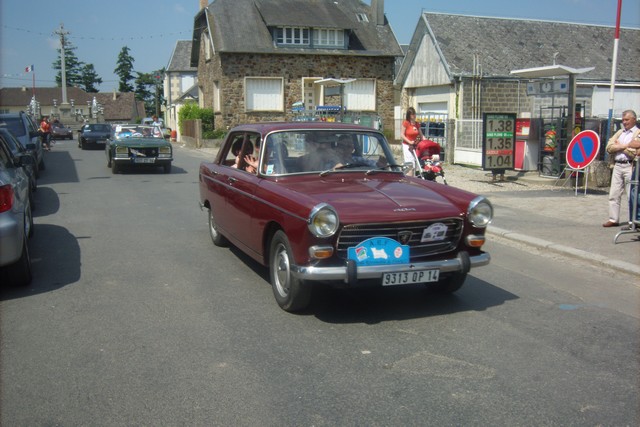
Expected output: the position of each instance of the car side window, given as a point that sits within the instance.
(5, 159)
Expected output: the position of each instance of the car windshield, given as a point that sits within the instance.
(324, 152)
(97, 128)
(137, 131)
(14, 125)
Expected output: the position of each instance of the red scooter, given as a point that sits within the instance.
(428, 165)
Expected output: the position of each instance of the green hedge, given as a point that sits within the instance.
(191, 111)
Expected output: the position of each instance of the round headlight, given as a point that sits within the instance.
(480, 212)
(323, 220)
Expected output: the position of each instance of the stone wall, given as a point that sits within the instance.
(495, 96)
(229, 70)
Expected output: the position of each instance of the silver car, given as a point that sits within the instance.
(16, 220)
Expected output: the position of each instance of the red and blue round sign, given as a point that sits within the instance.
(583, 149)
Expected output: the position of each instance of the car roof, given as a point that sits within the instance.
(267, 127)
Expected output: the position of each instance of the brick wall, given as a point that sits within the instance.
(231, 69)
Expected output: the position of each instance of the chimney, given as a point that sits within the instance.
(115, 95)
(203, 4)
(377, 11)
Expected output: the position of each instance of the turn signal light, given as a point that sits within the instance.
(321, 252)
(475, 241)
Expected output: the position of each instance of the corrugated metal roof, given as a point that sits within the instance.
(504, 45)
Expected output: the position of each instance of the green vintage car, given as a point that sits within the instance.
(136, 146)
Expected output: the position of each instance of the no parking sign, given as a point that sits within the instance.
(583, 149)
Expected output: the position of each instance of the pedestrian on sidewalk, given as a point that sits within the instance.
(411, 136)
(622, 148)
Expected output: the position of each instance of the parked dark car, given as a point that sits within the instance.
(138, 146)
(22, 126)
(16, 219)
(328, 203)
(94, 135)
(16, 148)
(60, 131)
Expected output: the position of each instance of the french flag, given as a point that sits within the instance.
(29, 69)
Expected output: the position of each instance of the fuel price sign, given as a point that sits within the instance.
(498, 141)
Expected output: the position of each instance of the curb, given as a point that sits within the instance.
(621, 266)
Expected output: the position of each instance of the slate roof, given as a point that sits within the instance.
(123, 108)
(180, 60)
(510, 44)
(242, 26)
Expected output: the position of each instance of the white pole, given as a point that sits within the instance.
(613, 70)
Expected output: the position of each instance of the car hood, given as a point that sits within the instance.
(96, 135)
(142, 142)
(386, 199)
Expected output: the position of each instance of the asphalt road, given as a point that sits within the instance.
(135, 318)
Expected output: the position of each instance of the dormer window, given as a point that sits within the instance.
(298, 36)
(328, 38)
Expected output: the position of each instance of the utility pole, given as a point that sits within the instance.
(61, 32)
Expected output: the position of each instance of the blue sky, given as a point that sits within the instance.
(99, 29)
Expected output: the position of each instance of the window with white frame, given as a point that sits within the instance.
(264, 94)
(327, 37)
(360, 95)
(216, 96)
(292, 36)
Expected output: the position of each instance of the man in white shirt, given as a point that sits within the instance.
(622, 148)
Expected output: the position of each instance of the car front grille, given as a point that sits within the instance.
(143, 152)
(352, 235)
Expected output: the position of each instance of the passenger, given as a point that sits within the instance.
(247, 161)
(319, 156)
(236, 147)
(346, 155)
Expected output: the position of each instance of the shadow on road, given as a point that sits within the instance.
(65, 168)
(47, 202)
(377, 304)
(55, 258)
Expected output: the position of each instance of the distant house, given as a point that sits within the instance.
(116, 106)
(256, 59)
(180, 80)
(461, 67)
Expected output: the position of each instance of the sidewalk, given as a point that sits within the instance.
(532, 211)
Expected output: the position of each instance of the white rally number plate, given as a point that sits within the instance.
(409, 277)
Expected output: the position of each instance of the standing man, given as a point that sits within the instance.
(45, 132)
(622, 148)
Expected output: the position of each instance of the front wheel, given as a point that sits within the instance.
(114, 166)
(292, 294)
(217, 238)
(451, 283)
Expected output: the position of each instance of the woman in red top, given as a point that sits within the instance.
(411, 134)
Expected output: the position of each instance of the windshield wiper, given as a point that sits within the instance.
(387, 168)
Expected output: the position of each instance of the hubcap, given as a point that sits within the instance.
(281, 269)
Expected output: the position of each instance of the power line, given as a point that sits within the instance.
(143, 37)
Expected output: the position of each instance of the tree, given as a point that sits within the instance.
(90, 78)
(73, 66)
(149, 90)
(124, 70)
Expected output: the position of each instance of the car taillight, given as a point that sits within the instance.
(6, 198)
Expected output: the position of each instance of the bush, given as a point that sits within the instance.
(191, 111)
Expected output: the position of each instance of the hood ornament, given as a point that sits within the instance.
(404, 236)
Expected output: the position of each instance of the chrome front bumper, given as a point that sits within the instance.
(350, 273)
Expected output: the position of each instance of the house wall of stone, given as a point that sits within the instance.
(229, 70)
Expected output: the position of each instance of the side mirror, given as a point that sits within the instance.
(25, 160)
(33, 133)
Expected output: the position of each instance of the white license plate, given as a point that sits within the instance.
(409, 277)
(143, 160)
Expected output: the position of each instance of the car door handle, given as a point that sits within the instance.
(231, 180)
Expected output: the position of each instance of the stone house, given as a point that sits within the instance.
(180, 81)
(257, 58)
(116, 107)
(460, 67)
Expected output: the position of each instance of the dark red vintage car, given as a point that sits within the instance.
(328, 203)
